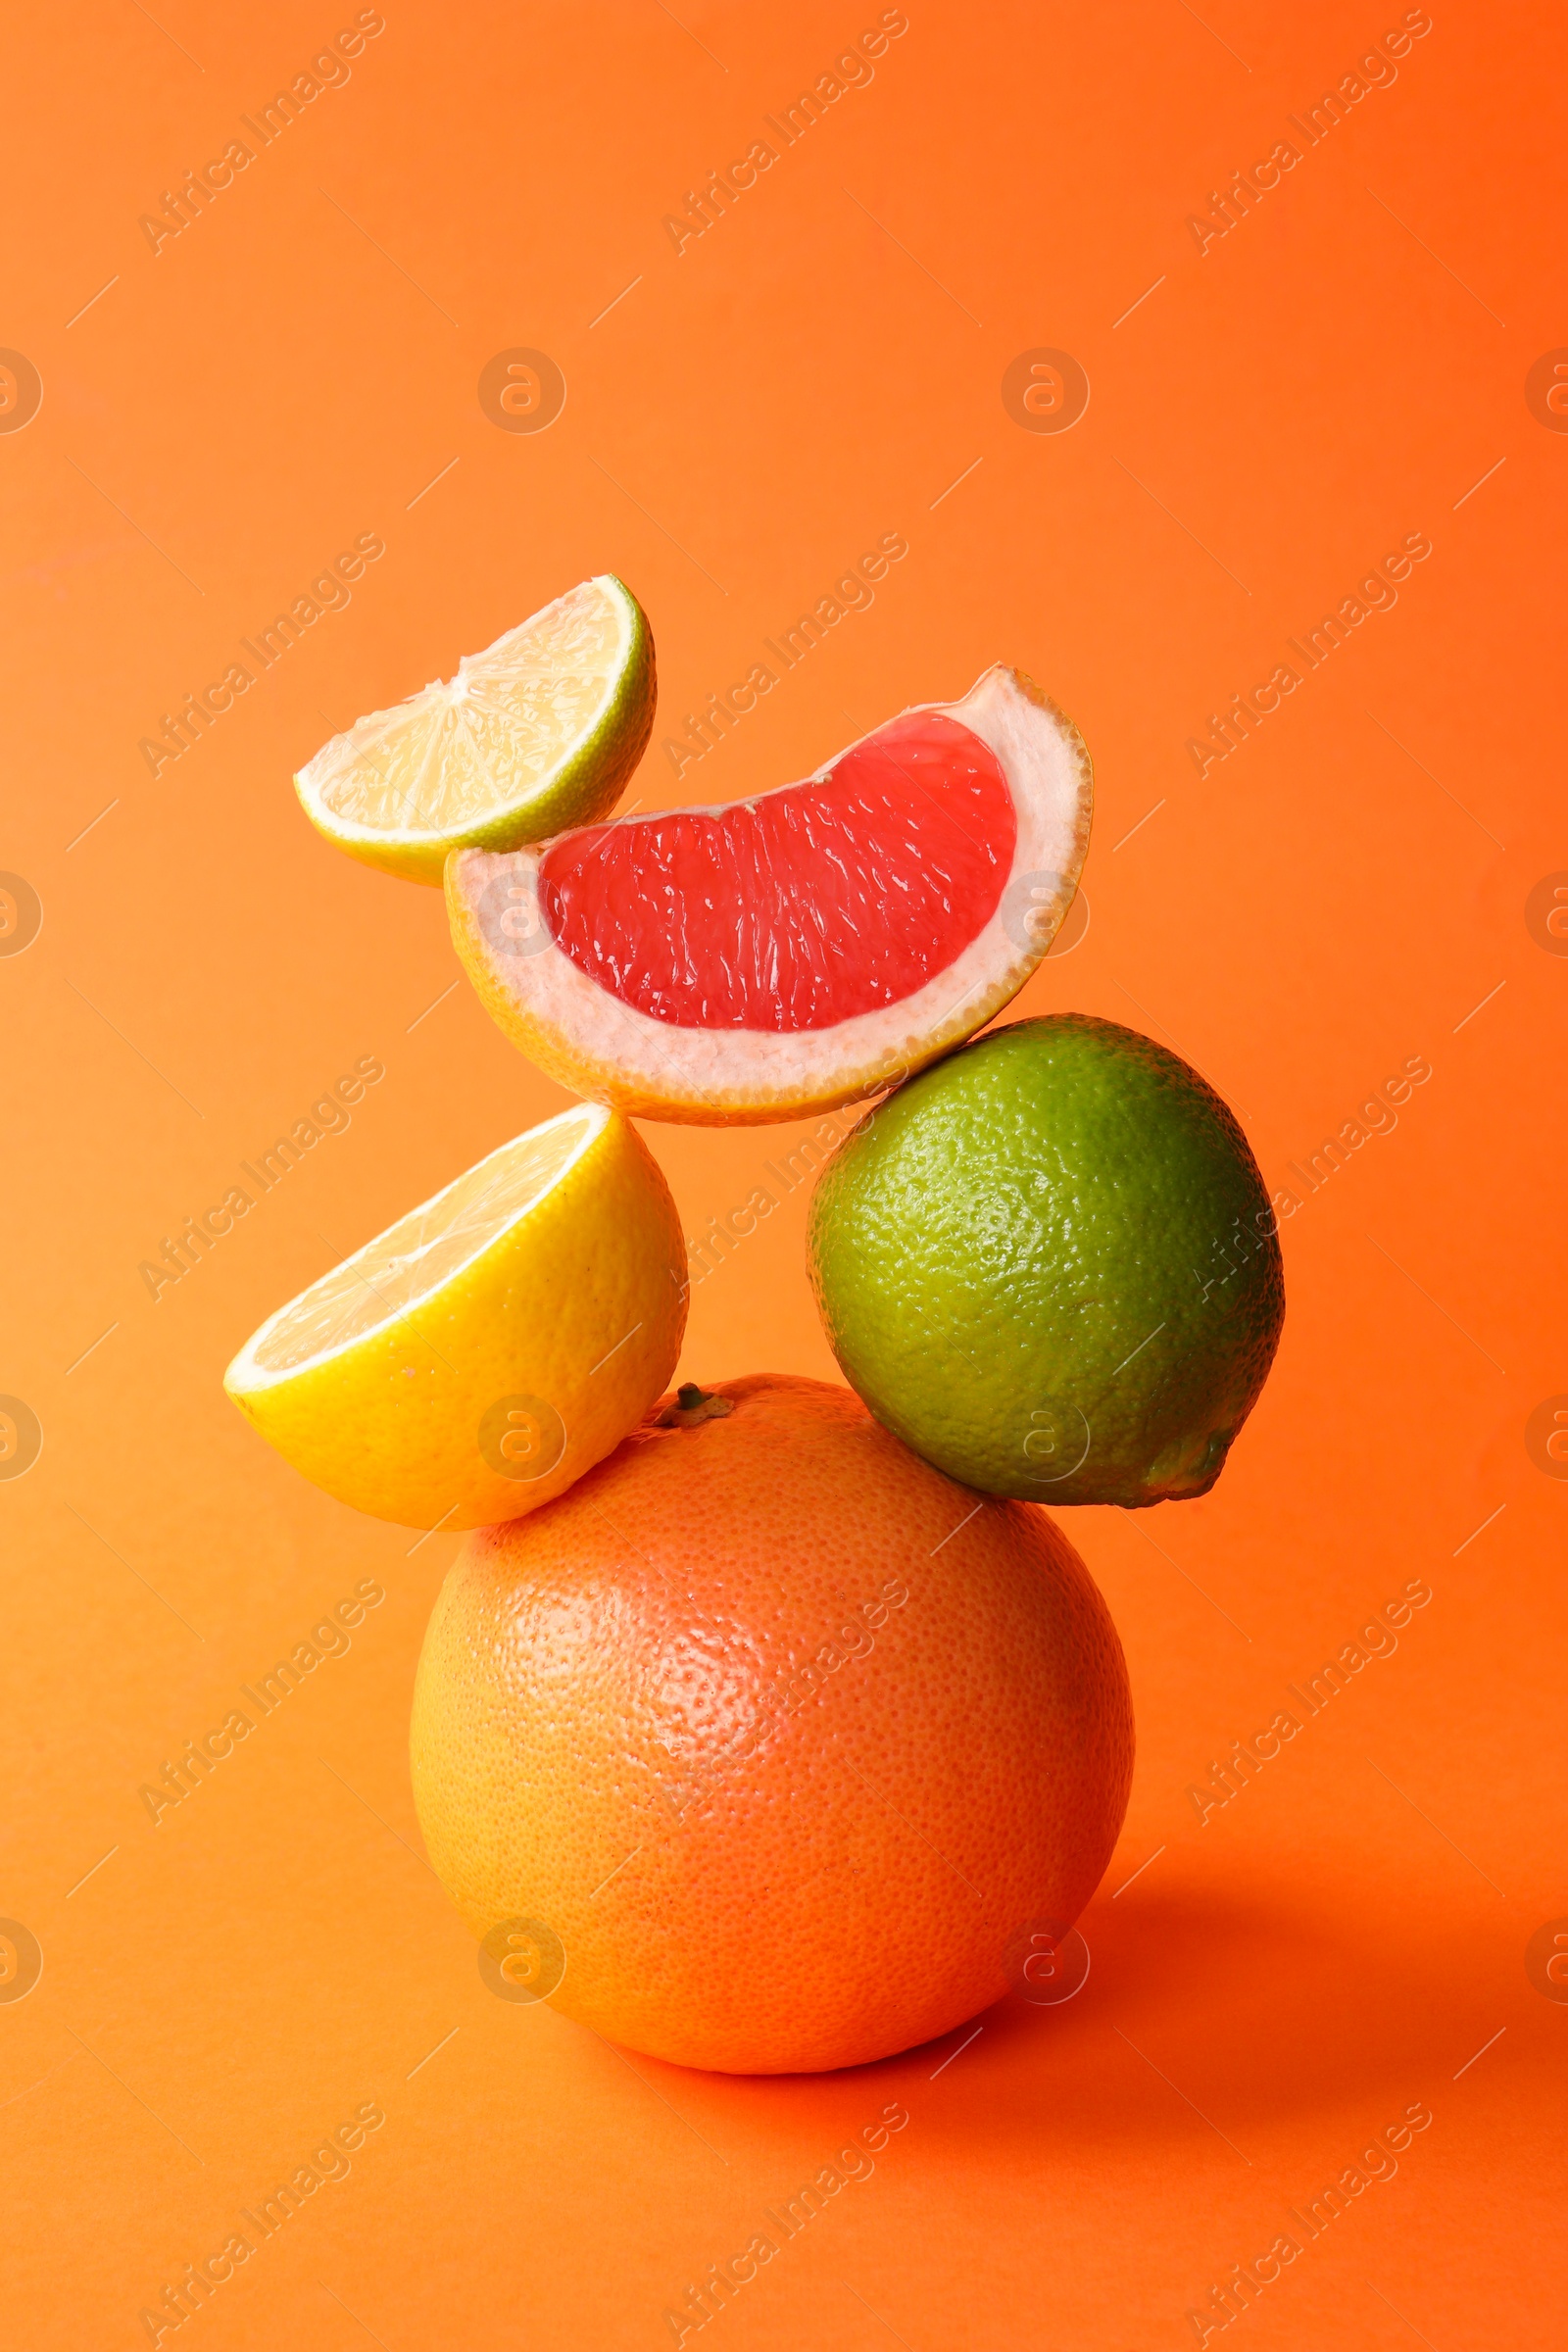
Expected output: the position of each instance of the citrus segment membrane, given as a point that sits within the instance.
(801, 908)
(423, 1249)
(470, 744)
(803, 948)
(538, 732)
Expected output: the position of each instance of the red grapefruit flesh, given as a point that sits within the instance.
(799, 949)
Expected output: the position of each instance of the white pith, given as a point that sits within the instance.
(1047, 770)
(528, 771)
(437, 1248)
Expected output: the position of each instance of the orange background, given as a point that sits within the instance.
(1338, 895)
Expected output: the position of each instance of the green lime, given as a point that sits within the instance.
(1049, 1263)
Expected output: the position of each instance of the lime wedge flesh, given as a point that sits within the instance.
(540, 731)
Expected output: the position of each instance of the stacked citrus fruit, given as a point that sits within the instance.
(771, 1726)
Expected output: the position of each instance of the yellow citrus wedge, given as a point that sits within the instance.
(489, 1347)
(540, 731)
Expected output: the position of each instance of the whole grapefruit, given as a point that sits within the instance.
(763, 1746)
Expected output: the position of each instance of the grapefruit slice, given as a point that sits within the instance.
(539, 732)
(727, 966)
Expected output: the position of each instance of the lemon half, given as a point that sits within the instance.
(540, 731)
(490, 1347)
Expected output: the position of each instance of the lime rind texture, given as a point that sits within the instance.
(582, 787)
(1049, 1263)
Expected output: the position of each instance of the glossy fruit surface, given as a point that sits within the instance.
(1050, 1264)
(761, 1747)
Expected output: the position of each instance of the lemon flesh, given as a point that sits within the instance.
(540, 731)
(475, 1358)
(1049, 1263)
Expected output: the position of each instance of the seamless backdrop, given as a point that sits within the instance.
(1211, 368)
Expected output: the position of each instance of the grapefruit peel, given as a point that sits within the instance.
(594, 1041)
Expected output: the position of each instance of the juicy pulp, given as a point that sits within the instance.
(804, 906)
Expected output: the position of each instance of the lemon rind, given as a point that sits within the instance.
(246, 1377)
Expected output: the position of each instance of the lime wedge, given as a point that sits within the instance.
(540, 731)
